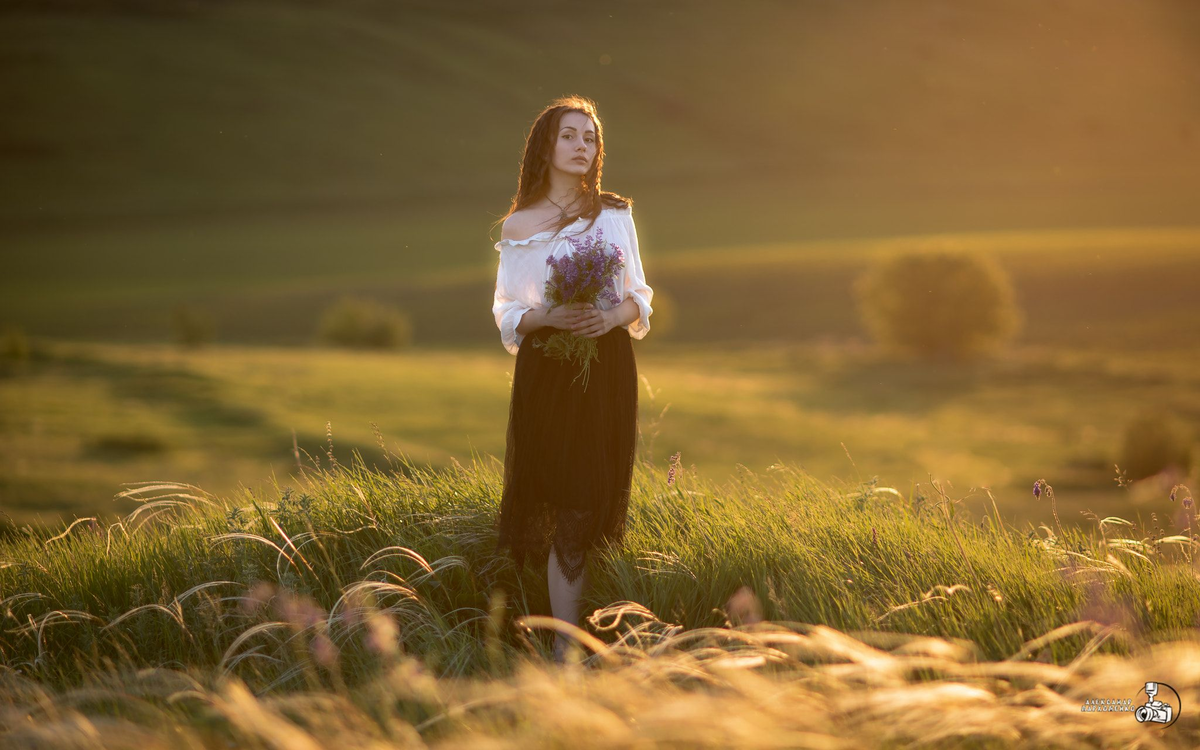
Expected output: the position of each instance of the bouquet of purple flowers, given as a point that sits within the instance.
(583, 276)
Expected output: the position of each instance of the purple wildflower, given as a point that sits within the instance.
(1173, 489)
(672, 470)
(585, 274)
(744, 607)
(1187, 502)
(301, 612)
(257, 597)
(323, 650)
(1037, 488)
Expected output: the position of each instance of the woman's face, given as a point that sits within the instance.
(575, 144)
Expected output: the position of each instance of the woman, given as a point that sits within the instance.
(568, 462)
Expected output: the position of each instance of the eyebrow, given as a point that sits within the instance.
(572, 127)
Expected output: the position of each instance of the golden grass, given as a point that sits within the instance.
(770, 685)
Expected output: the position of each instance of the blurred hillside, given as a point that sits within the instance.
(152, 152)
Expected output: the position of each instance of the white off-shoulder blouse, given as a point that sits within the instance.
(522, 272)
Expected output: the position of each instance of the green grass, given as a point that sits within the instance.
(225, 415)
(1100, 288)
(195, 110)
(364, 604)
(843, 556)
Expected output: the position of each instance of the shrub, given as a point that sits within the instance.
(1155, 440)
(15, 351)
(14, 346)
(939, 303)
(365, 323)
(128, 443)
(191, 327)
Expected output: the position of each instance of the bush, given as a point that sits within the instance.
(365, 323)
(128, 443)
(14, 346)
(15, 351)
(940, 303)
(191, 327)
(1155, 440)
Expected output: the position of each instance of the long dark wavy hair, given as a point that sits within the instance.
(534, 180)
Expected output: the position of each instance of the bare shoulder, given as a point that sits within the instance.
(523, 224)
(515, 226)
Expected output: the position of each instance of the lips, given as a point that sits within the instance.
(580, 159)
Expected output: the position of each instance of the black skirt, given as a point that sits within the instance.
(569, 458)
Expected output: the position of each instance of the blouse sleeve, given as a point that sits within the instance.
(507, 311)
(635, 281)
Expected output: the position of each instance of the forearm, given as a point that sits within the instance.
(531, 321)
(625, 313)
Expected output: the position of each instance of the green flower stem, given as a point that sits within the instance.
(568, 347)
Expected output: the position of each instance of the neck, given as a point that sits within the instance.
(564, 190)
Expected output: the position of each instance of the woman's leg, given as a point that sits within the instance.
(564, 598)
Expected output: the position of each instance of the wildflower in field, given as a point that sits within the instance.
(585, 275)
(1037, 488)
(744, 606)
(301, 612)
(257, 597)
(381, 634)
(1173, 489)
(674, 467)
(1187, 502)
(323, 650)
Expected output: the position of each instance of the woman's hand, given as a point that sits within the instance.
(593, 323)
(565, 316)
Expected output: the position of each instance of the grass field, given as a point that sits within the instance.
(83, 418)
(1104, 288)
(129, 113)
(371, 605)
(282, 545)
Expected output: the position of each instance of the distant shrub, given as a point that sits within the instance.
(116, 444)
(14, 346)
(1153, 441)
(191, 327)
(365, 323)
(15, 350)
(939, 303)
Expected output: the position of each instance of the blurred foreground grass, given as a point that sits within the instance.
(368, 606)
(769, 687)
